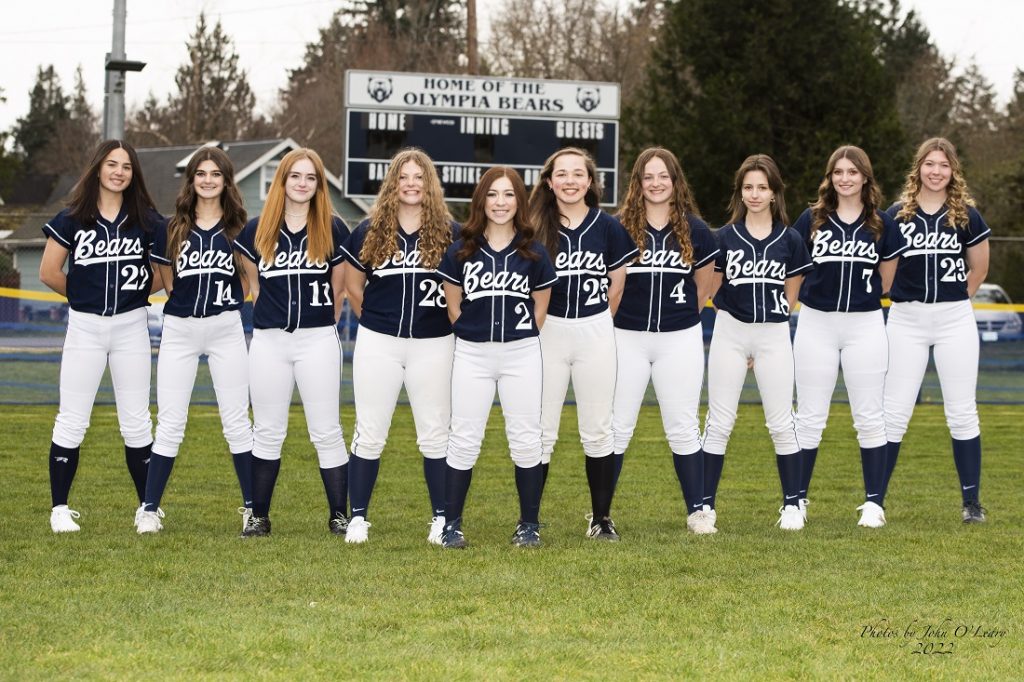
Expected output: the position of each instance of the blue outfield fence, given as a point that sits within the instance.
(32, 333)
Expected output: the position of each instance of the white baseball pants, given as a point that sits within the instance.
(857, 341)
(184, 339)
(583, 350)
(381, 363)
(950, 328)
(310, 359)
(675, 361)
(92, 341)
(515, 369)
(732, 344)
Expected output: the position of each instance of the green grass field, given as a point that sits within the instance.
(752, 601)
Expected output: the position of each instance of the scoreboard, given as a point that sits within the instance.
(466, 125)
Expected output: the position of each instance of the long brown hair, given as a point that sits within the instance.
(135, 198)
(233, 219)
(958, 197)
(435, 227)
(544, 213)
(475, 225)
(765, 164)
(320, 242)
(828, 199)
(634, 211)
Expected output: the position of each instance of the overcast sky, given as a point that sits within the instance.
(270, 37)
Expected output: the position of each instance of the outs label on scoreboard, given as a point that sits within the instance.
(465, 143)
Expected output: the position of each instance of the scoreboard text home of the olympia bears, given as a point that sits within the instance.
(467, 124)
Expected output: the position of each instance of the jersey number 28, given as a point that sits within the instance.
(433, 294)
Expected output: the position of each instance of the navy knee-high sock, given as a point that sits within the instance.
(264, 478)
(336, 488)
(892, 453)
(137, 460)
(456, 488)
(807, 458)
(600, 473)
(544, 475)
(433, 473)
(243, 470)
(967, 456)
(872, 462)
(712, 475)
(619, 458)
(63, 465)
(528, 485)
(156, 480)
(789, 476)
(362, 476)
(690, 472)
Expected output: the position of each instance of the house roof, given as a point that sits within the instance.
(163, 168)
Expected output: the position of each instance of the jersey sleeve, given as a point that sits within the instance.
(159, 252)
(977, 230)
(61, 228)
(621, 247)
(449, 269)
(705, 248)
(353, 246)
(340, 233)
(803, 225)
(245, 243)
(720, 236)
(544, 275)
(799, 257)
(893, 243)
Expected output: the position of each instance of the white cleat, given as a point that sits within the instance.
(804, 503)
(790, 517)
(246, 513)
(141, 509)
(358, 530)
(62, 520)
(436, 529)
(149, 522)
(700, 522)
(871, 515)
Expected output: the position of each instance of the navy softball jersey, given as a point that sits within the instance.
(402, 297)
(206, 281)
(755, 271)
(108, 262)
(845, 276)
(497, 305)
(933, 255)
(585, 257)
(660, 293)
(295, 293)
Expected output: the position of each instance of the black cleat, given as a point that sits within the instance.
(526, 535)
(452, 537)
(973, 512)
(338, 525)
(256, 527)
(602, 529)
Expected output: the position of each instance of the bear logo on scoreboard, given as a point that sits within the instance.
(588, 98)
(379, 88)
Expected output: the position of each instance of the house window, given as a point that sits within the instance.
(267, 178)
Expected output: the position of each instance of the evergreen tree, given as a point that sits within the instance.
(48, 107)
(71, 144)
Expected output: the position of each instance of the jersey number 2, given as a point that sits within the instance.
(524, 322)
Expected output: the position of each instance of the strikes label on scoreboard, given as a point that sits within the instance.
(467, 124)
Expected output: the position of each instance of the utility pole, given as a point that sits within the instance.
(116, 66)
(473, 59)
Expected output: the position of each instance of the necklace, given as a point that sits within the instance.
(296, 215)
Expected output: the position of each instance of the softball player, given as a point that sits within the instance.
(104, 236)
(942, 260)
(199, 268)
(404, 333)
(841, 320)
(497, 287)
(295, 267)
(758, 271)
(589, 249)
(657, 326)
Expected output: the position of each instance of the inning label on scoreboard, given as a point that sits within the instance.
(477, 123)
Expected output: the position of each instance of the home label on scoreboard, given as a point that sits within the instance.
(467, 124)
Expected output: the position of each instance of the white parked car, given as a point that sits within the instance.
(155, 312)
(995, 324)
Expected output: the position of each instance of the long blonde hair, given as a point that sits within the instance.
(435, 225)
(958, 197)
(320, 240)
(634, 211)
